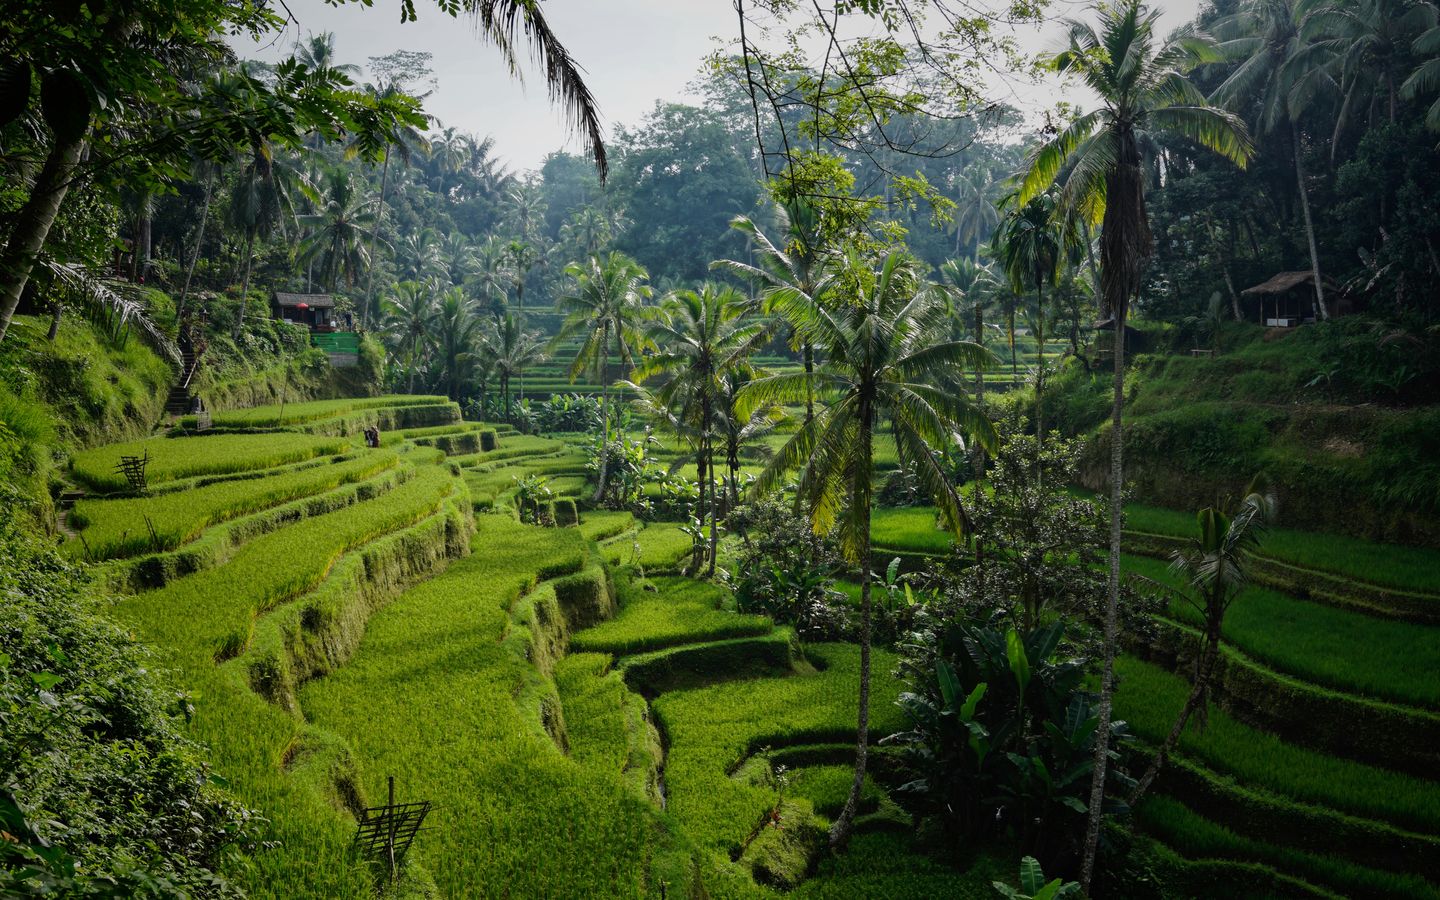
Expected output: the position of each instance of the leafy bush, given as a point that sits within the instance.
(783, 570)
(84, 721)
(1001, 738)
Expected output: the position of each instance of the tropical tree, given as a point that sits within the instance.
(701, 336)
(975, 213)
(604, 305)
(1425, 79)
(1216, 569)
(1031, 245)
(522, 257)
(317, 51)
(403, 139)
(513, 350)
(794, 264)
(337, 231)
(1366, 44)
(457, 328)
(261, 199)
(1143, 90)
(410, 319)
(490, 275)
(1279, 75)
(881, 363)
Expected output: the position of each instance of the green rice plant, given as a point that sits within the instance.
(512, 447)
(1390, 565)
(713, 729)
(1149, 697)
(176, 458)
(1345, 650)
(659, 546)
(912, 529)
(600, 524)
(607, 725)
(885, 864)
(681, 612)
(213, 610)
(1178, 826)
(430, 697)
(310, 411)
(118, 528)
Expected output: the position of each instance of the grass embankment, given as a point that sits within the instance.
(311, 411)
(431, 698)
(1345, 650)
(681, 611)
(222, 454)
(660, 546)
(118, 528)
(1389, 565)
(1149, 697)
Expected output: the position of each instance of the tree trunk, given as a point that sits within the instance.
(1112, 606)
(978, 463)
(604, 426)
(1039, 376)
(245, 284)
(808, 352)
(1203, 670)
(199, 243)
(374, 237)
(143, 241)
(714, 512)
(32, 224)
(57, 309)
(840, 831)
(1309, 225)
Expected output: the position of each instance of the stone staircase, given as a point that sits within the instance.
(180, 401)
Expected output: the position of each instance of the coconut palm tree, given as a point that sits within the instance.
(881, 364)
(1366, 43)
(490, 275)
(1425, 79)
(513, 350)
(604, 305)
(456, 330)
(404, 141)
(449, 151)
(522, 257)
(1031, 246)
(318, 52)
(262, 197)
(1142, 89)
(1216, 569)
(795, 263)
(701, 335)
(975, 212)
(1279, 75)
(337, 231)
(410, 319)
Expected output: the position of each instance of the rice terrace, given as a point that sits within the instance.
(904, 449)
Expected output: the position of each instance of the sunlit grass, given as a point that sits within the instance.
(682, 611)
(175, 458)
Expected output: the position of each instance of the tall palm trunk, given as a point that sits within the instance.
(1309, 224)
(714, 498)
(604, 414)
(32, 223)
(245, 283)
(978, 463)
(375, 236)
(199, 244)
(1039, 374)
(1125, 243)
(844, 824)
(808, 353)
(1204, 668)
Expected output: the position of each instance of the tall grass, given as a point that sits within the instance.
(1182, 828)
(1348, 651)
(175, 458)
(1149, 698)
(118, 528)
(682, 611)
(310, 411)
(1389, 565)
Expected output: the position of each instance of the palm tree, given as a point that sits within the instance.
(1277, 79)
(701, 335)
(1426, 77)
(457, 257)
(490, 275)
(794, 264)
(259, 202)
(456, 330)
(527, 209)
(1031, 246)
(588, 230)
(742, 428)
(1366, 42)
(1141, 90)
(1216, 569)
(522, 258)
(410, 319)
(604, 304)
(403, 140)
(448, 153)
(337, 231)
(881, 362)
(317, 51)
(514, 350)
(975, 213)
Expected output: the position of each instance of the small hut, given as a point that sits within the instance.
(1285, 301)
(314, 311)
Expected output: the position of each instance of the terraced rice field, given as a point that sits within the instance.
(1335, 638)
(340, 615)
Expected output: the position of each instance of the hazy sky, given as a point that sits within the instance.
(634, 52)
